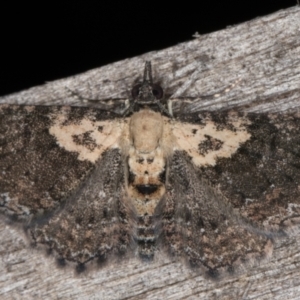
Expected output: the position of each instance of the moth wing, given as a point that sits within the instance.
(253, 159)
(61, 168)
(94, 221)
(201, 226)
(46, 152)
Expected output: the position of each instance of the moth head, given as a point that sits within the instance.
(147, 92)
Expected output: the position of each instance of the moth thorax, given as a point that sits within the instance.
(146, 129)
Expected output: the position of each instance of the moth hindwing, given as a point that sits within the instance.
(212, 187)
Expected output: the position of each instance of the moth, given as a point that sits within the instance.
(213, 188)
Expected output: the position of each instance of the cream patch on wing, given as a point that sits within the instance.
(87, 137)
(207, 142)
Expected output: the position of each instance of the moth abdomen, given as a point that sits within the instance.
(146, 233)
(146, 236)
(146, 249)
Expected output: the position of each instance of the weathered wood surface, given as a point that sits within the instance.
(263, 58)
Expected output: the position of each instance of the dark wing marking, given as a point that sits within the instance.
(201, 226)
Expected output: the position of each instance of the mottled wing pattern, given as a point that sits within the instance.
(224, 207)
(262, 178)
(93, 223)
(53, 158)
(36, 174)
(201, 226)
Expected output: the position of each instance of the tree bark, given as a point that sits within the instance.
(260, 62)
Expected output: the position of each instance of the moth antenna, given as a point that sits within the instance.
(148, 72)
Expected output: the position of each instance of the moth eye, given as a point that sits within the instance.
(157, 91)
(136, 90)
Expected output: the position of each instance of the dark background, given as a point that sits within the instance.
(45, 42)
